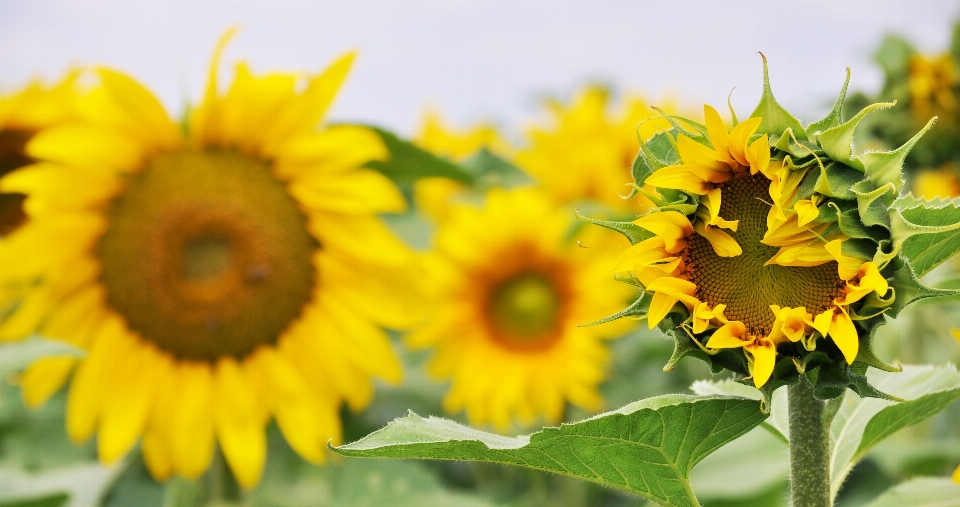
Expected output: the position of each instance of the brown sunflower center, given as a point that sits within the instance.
(12, 156)
(207, 255)
(743, 283)
(524, 310)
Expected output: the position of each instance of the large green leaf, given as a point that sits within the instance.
(648, 447)
(930, 231)
(778, 424)
(862, 423)
(761, 467)
(83, 485)
(921, 492)
(408, 162)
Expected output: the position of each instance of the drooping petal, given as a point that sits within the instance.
(671, 226)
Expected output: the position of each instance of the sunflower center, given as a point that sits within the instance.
(524, 310)
(743, 283)
(207, 255)
(12, 156)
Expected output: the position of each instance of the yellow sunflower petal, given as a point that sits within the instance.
(43, 378)
(307, 109)
(671, 226)
(723, 244)
(361, 192)
(127, 402)
(335, 148)
(848, 267)
(192, 423)
(239, 423)
(667, 292)
(156, 455)
(764, 359)
(87, 146)
(679, 177)
(729, 336)
(844, 334)
(806, 211)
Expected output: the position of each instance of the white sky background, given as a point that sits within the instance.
(475, 59)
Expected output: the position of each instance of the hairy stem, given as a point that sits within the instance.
(809, 448)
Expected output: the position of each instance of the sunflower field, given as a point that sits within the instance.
(625, 299)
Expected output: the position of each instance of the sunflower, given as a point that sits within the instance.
(930, 184)
(23, 114)
(770, 239)
(933, 84)
(218, 278)
(432, 195)
(509, 293)
(587, 153)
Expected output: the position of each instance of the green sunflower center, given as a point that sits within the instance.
(743, 283)
(207, 255)
(12, 156)
(524, 310)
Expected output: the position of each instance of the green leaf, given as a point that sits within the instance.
(894, 55)
(834, 117)
(861, 423)
(909, 289)
(759, 458)
(634, 233)
(355, 483)
(82, 484)
(777, 424)
(647, 448)
(16, 356)
(491, 171)
(776, 119)
(837, 141)
(883, 167)
(409, 162)
(55, 500)
(921, 492)
(929, 232)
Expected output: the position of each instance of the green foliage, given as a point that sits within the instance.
(929, 231)
(859, 424)
(921, 492)
(55, 500)
(776, 119)
(647, 448)
(409, 162)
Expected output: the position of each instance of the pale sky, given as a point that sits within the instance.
(476, 59)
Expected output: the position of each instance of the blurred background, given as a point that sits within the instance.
(477, 60)
(495, 62)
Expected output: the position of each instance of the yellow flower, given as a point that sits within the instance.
(932, 82)
(217, 278)
(587, 153)
(23, 114)
(433, 195)
(942, 183)
(509, 293)
(751, 262)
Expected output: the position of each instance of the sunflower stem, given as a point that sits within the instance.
(809, 447)
(222, 487)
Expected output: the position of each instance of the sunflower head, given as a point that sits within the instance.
(773, 249)
(218, 277)
(23, 114)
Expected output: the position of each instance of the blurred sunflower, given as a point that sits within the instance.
(433, 195)
(932, 82)
(509, 290)
(941, 182)
(587, 153)
(23, 114)
(217, 278)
